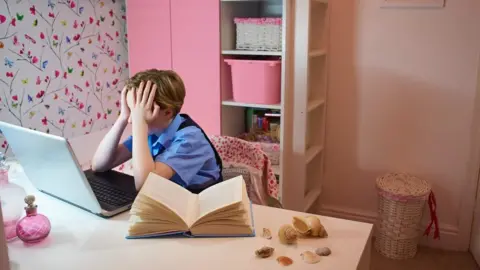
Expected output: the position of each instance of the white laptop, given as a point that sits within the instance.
(52, 167)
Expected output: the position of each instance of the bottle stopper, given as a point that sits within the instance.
(30, 201)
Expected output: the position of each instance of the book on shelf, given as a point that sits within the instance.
(265, 123)
(162, 208)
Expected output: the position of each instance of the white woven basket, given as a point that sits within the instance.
(259, 34)
(401, 202)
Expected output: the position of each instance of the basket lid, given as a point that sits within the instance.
(402, 184)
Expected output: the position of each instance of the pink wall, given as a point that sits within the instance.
(65, 64)
(197, 22)
(150, 35)
(401, 98)
(176, 32)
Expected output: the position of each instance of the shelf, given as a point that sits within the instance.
(242, 52)
(312, 105)
(311, 197)
(273, 115)
(317, 53)
(312, 152)
(252, 105)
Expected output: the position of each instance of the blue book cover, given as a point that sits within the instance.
(188, 234)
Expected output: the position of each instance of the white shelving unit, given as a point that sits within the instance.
(303, 90)
(310, 90)
(251, 105)
(242, 52)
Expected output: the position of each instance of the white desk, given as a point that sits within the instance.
(80, 240)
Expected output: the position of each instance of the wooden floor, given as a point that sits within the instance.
(426, 259)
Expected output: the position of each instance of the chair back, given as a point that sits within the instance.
(241, 157)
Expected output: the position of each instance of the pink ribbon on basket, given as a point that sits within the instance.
(432, 205)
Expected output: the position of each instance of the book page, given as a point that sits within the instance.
(149, 210)
(220, 195)
(247, 206)
(220, 215)
(233, 219)
(171, 195)
(139, 227)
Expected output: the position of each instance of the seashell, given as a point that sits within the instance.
(284, 260)
(324, 251)
(267, 233)
(300, 224)
(316, 227)
(287, 234)
(264, 252)
(310, 257)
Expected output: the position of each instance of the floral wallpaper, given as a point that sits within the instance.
(65, 62)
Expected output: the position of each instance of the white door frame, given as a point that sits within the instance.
(474, 171)
(475, 233)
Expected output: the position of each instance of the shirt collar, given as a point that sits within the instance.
(168, 134)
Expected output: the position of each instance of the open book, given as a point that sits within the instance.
(163, 208)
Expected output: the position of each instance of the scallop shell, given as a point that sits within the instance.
(316, 226)
(300, 224)
(284, 260)
(264, 252)
(287, 234)
(267, 233)
(310, 257)
(324, 251)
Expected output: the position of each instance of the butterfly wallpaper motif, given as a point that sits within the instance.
(65, 63)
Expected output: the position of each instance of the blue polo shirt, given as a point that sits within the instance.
(186, 151)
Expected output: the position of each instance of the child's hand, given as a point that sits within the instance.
(144, 107)
(124, 109)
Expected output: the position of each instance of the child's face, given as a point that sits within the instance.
(160, 122)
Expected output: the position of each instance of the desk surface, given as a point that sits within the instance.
(80, 240)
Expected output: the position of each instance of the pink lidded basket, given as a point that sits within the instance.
(259, 34)
(256, 81)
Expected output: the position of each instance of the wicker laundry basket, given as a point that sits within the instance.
(401, 203)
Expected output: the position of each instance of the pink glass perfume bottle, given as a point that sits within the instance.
(11, 201)
(34, 227)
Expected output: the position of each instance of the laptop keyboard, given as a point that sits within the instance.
(109, 194)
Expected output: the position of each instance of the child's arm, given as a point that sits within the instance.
(145, 110)
(143, 163)
(110, 153)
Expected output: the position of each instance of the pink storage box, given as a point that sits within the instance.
(256, 81)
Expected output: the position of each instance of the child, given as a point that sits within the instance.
(163, 141)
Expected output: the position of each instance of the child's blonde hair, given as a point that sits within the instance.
(170, 87)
